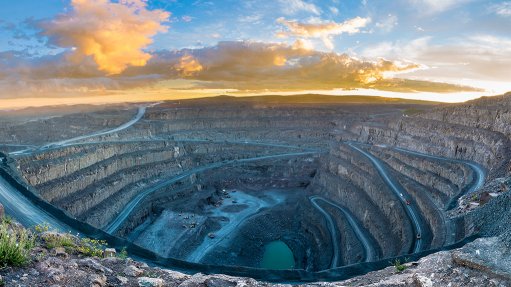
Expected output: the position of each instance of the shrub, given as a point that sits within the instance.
(91, 247)
(40, 228)
(399, 266)
(123, 254)
(62, 240)
(15, 246)
(7, 220)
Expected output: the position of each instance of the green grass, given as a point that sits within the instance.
(123, 254)
(40, 228)
(15, 246)
(91, 247)
(64, 240)
(57, 240)
(7, 219)
(400, 267)
(86, 246)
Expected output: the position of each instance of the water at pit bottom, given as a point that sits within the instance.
(277, 256)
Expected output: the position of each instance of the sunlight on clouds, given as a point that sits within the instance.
(246, 65)
(462, 60)
(103, 50)
(383, 69)
(322, 30)
(303, 44)
(188, 66)
(279, 60)
(242, 65)
(113, 34)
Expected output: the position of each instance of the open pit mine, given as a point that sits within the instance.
(277, 188)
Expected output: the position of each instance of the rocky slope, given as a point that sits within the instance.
(39, 126)
(477, 264)
(95, 181)
(476, 130)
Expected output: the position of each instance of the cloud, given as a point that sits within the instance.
(269, 66)
(397, 49)
(322, 30)
(483, 57)
(291, 7)
(388, 23)
(188, 66)
(187, 18)
(502, 9)
(436, 6)
(242, 65)
(114, 34)
(303, 44)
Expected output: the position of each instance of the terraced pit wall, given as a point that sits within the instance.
(94, 182)
(478, 131)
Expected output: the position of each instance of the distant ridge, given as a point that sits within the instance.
(313, 99)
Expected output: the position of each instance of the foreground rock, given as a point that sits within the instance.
(484, 262)
(473, 265)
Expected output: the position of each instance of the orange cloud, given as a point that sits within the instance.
(377, 71)
(323, 31)
(302, 45)
(188, 66)
(113, 34)
(259, 66)
(242, 65)
(279, 60)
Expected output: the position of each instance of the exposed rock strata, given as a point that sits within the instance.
(105, 177)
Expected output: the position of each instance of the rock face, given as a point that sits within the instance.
(477, 131)
(439, 269)
(108, 176)
(150, 282)
(489, 255)
(476, 264)
(40, 126)
(216, 183)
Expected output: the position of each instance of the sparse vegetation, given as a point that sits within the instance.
(400, 267)
(123, 254)
(91, 247)
(40, 228)
(63, 240)
(57, 240)
(7, 220)
(15, 246)
(85, 246)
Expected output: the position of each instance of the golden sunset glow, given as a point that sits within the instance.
(188, 66)
(103, 50)
(113, 34)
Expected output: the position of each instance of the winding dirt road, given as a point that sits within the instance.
(360, 232)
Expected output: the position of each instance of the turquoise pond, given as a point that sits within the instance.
(277, 256)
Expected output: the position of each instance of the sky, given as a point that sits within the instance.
(135, 50)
